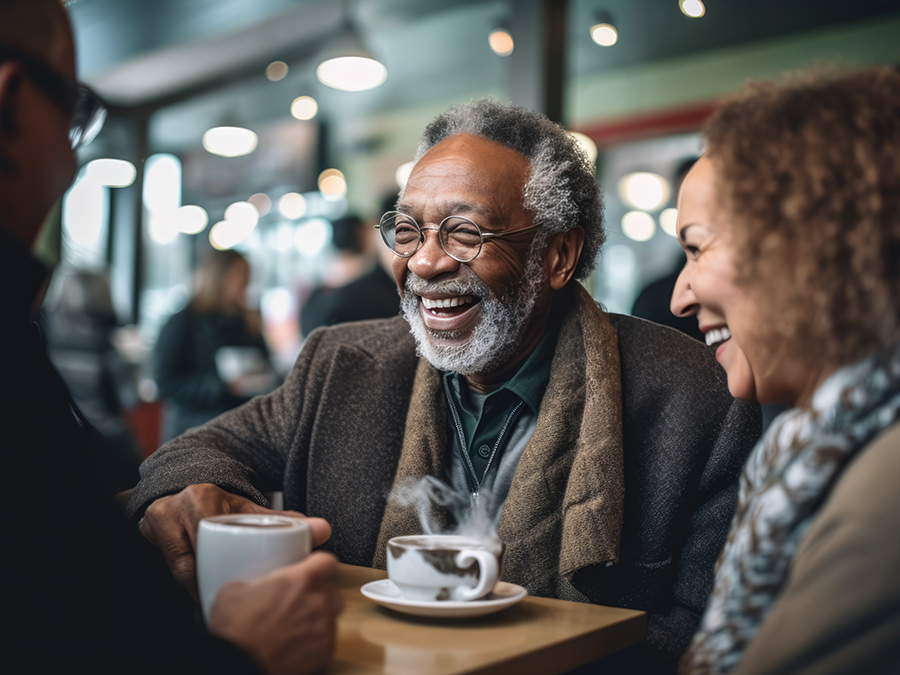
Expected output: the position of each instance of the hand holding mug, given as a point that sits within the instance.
(170, 523)
(286, 620)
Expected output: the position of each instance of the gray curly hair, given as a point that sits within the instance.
(560, 192)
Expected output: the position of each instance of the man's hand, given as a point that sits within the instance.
(285, 619)
(170, 524)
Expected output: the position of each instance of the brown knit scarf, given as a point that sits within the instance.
(564, 509)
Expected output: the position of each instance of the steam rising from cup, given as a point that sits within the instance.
(432, 498)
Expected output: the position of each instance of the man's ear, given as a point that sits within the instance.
(562, 256)
(10, 82)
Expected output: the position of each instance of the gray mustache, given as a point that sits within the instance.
(467, 284)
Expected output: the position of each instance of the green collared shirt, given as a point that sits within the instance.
(484, 416)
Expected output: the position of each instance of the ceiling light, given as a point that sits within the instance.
(587, 144)
(111, 172)
(667, 220)
(292, 205)
(304, 108)
(348, 66)
(501, 42)
(401, 175)
(638, 225)
(230, 141)
(276, 71)
(692, 8)
(332, 184)
(351, 73)
(262, 203)
(191, 219)
(604, 32)
(644, 190)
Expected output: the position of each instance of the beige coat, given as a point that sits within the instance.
(839, 611)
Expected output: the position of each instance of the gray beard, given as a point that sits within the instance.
(498, 335)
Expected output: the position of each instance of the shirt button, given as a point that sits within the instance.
(484, 452)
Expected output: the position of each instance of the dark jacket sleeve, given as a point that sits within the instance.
(686, 440)
(708, 526)
(177, 375)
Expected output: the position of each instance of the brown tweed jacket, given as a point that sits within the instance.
(331, 438)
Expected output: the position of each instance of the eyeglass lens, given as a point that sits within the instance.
(459, 237)
(87, 118)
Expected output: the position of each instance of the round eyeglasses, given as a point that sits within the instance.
(460, 237)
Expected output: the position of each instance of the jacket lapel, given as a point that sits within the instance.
(565, 506)
(424, 448)
(357, 439)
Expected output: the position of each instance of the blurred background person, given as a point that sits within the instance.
(80, 328)
(654, 300)
(212, 356)
(359, 288)
(791, 224)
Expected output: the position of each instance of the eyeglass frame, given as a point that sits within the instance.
(484, 236)
(86, 110)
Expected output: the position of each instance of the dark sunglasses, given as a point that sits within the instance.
(85, 108)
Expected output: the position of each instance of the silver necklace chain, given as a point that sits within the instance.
(462, 442)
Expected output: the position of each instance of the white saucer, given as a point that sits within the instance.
(386, 594)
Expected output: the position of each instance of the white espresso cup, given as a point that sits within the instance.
(241, 546)
(441, 567)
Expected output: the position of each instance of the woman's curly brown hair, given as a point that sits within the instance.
(808, 173)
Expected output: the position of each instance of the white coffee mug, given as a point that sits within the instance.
(241, 546)
(439, 567)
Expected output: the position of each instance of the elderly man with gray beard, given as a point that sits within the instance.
(609, 447)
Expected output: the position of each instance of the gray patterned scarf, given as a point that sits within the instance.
(785, 481)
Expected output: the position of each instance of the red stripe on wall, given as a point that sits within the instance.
(664, 123)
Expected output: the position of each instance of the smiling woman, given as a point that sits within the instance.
(791, 225)
(798, 209)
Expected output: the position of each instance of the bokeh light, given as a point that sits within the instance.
(501, 42)
(276, 71)
(304, 108)
(638, 225)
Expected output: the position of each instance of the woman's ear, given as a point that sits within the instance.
(562, 256)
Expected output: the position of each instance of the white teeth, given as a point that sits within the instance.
(446, 302)
(717, 335)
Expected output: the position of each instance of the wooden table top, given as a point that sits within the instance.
(538, 636)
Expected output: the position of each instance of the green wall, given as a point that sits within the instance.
(700, 77)
(636, 90)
